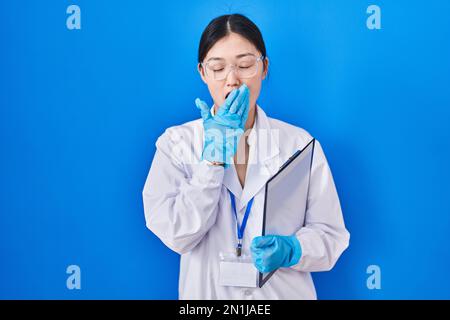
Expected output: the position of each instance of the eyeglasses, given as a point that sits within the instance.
(246, 67)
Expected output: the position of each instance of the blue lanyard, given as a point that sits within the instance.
(240, 229)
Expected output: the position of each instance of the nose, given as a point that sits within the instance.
(232, 78)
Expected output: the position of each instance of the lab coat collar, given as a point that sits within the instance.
(263, 161)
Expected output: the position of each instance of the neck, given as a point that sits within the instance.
(251, 118)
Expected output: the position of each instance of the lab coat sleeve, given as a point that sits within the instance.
(324, 236)
(180, 208)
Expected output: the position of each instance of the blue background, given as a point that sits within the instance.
(80, 111)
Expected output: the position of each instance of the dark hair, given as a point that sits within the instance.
(222, 26)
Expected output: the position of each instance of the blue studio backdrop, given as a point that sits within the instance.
(81, 109)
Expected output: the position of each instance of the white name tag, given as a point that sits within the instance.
(238, 274)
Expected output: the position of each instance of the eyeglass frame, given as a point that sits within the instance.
(258, 59)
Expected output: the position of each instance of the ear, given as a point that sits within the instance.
(202, 72)
(266, 67)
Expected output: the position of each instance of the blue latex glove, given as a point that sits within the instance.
(223, 130)
(272, 252)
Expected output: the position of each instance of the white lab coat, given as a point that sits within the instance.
(188, 207)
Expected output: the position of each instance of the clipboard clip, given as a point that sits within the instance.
(290, 159)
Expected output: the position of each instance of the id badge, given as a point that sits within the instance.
(237, 271)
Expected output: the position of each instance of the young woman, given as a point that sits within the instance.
(204, 194)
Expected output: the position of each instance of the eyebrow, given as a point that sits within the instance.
(238, 56)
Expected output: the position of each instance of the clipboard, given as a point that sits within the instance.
(286, 195)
